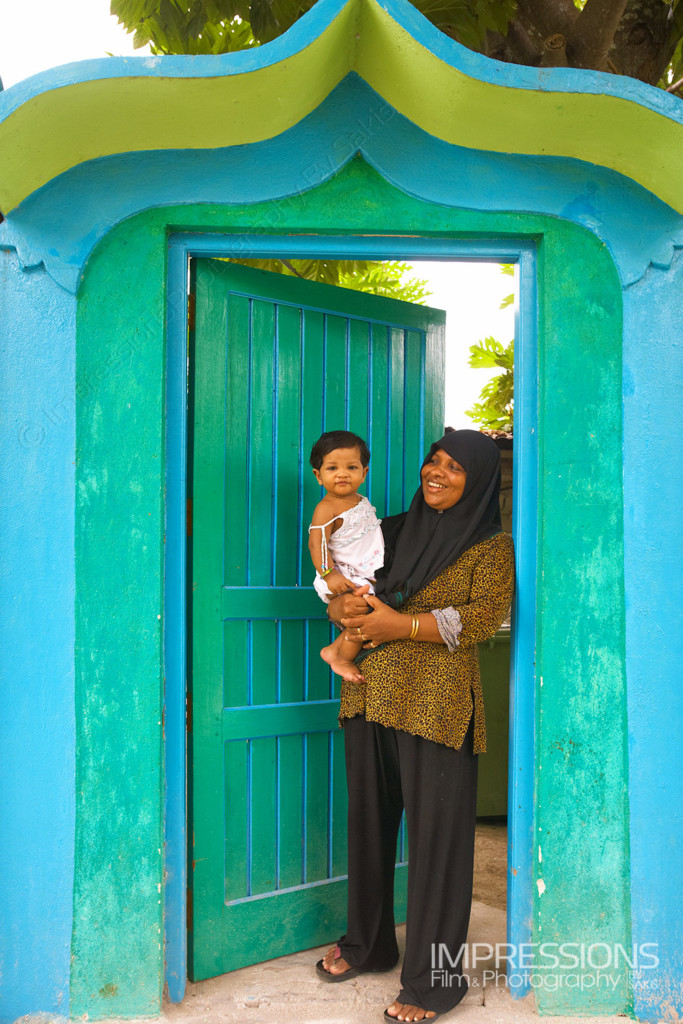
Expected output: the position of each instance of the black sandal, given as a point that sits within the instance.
(428, 1020)
(352, 972)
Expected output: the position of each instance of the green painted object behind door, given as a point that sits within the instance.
(277, 360)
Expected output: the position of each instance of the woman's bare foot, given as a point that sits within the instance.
(407, 1012)
(336, 965)
(342, 666)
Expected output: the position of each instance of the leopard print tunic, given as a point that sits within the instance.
(423, 688)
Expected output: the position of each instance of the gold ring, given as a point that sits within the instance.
(372, 643)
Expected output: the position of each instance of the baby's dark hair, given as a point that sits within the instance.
(338, 439)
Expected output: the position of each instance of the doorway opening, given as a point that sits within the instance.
(186, 247)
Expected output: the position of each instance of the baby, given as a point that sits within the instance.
(345, 537)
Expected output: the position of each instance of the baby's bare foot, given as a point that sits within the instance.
(342, 666)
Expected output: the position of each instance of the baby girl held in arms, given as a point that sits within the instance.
(345, 537)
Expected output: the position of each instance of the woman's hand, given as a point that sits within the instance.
(380, 625)
(348, 604)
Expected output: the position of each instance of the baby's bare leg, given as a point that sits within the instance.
(340, 657)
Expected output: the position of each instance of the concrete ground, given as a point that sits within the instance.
(288, 989)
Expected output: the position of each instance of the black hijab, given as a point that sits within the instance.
(421, 543)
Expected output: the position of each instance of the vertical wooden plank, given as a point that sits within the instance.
(317, 824)
(312, 419)
(235, 840)
(396, 417)
(339, 805)
(290, 804)
(435, 367)
(291, 661)
(236, 438)
(358, 396)
(413, 411)
(260, 440)
(263, 653)
(319, 672)
(335, 372)
(264, 662)
(235, 663)
(287, 408)
(378, 475)
(207, 874)
(263, 843)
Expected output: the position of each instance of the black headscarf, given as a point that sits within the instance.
(421, 543)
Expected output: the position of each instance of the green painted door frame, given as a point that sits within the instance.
(567, 748)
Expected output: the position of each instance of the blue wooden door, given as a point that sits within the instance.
(278, 360)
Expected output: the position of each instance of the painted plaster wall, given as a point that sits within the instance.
(653, 478)
(117, 963)
(580, 852)
(37, 324)
(117, 940)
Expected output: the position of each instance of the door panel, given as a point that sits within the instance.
(276, 361)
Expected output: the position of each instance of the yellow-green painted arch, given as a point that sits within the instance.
(66, 126)
(403, 58)
(602, 129)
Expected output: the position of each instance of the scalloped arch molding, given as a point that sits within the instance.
(127, 134)
(98, 161)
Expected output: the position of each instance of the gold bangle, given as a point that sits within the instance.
(326, 572)
(416, 626)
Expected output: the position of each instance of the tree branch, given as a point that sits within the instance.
(548, 17)
(593, 33)
(646, 39)
(521, 45)
(554, 51)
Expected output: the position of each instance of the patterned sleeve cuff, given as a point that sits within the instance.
(449, 624)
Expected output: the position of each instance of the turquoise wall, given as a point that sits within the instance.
(37, 368)
(653, 479)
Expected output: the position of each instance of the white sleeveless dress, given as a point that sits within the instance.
(356, 549)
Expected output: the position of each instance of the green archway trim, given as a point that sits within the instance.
(119, 554)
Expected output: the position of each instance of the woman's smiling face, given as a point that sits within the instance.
(443, 481)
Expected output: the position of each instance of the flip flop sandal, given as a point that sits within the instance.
(425, 1020)
(353, 972)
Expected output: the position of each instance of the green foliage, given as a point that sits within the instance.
(361, 275)
(674, 72)
(495, 409)
(220, 26)
(194, 26)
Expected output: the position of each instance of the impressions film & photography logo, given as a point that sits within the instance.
(545, 965)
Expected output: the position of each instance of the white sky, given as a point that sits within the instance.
(40, 34)
(45, 33)
(471, 294)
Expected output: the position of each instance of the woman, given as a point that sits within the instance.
(415, 725)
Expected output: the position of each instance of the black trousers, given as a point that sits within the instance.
(386, 771)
